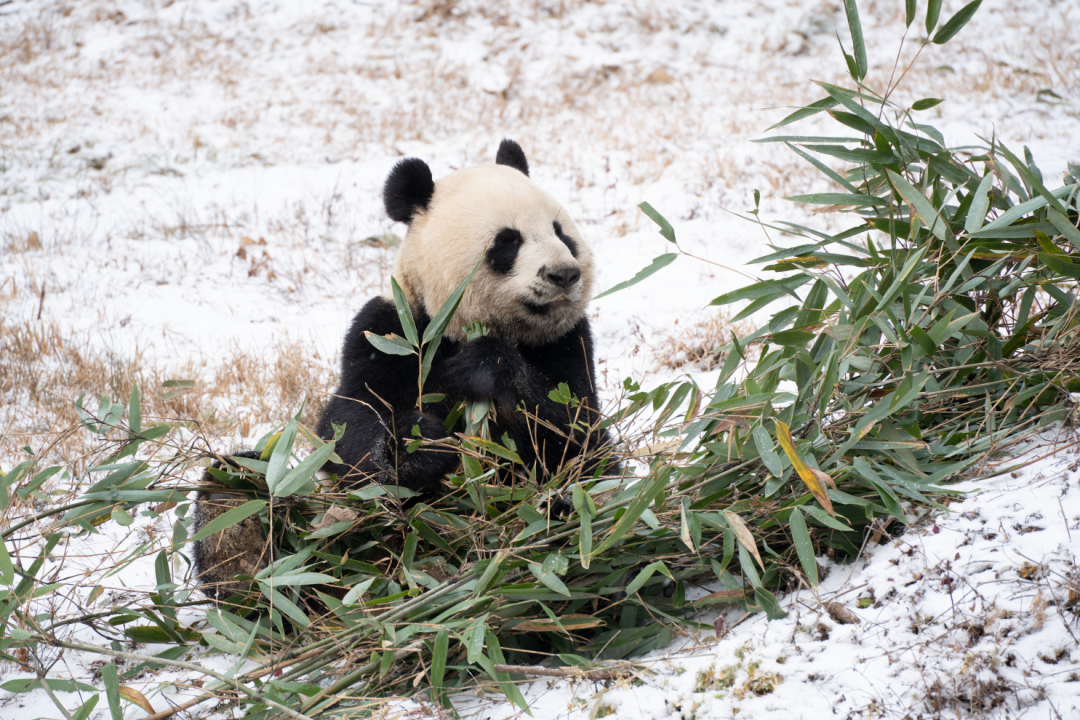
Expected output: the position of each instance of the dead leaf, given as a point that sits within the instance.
(136, 697)
(840, 614)
(660, 77)
(824, 478)
(335, 514)
(657, 449)
(743, 535)
(570, 622)
(728, 595)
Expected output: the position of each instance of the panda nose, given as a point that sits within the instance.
(564, 277)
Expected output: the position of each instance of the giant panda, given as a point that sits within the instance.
(530, 290)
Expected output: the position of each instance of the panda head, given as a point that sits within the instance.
(537, 271)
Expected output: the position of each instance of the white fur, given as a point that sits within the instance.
(447, 240)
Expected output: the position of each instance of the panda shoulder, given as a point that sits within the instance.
(377, 316)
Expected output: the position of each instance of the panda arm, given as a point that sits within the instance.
(376, 400)
(491, 369)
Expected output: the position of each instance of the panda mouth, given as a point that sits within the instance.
(537, 308)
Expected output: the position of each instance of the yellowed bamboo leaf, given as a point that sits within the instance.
(743, 535)
(813, 482)
(657, 449)
(728, 595)
(824, 478)
(136, 697)
(570, 622)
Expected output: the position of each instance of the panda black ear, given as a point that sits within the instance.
(408, 189)
(510, 153)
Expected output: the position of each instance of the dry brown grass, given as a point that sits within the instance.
(43, 369)
(693, 345)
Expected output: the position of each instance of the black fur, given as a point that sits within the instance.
(504, 250)
(485, 368)
(511, 154)
(408, 189)
(566, 239)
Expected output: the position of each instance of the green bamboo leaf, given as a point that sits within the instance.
(853, 199)
(284, 604)
(665, 227)
(1024, 208)
(765, 448)
(438, 663)
(825, 519)
(859, 155)
(800, 534)
(390, 344)
(768, 602)
(909, 12)
(765, 289)
(641, 501)
(84, 710)
(474, 638)
(933, 12)
(441, 320)
(787, 139)
(746, 562)
(642, 577)
(279, 458)
(298, 578)
(1060, 265)
(828, 171)
(404, 312)
(955, 23)
(135, 410)
(856, 37)
(901, 279)
(229, 518)
(303, 472)
(7, 570)
(977, 212)
(1064, 226)
(921, 207)
(112, 690)
(510, 689)
(805, 112)
(658, 263)
(923, 339)
(925, 104)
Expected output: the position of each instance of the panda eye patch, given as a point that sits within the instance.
(566, 239)
(503, 251)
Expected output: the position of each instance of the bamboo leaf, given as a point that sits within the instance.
(228, 519)
(804, 547)
(954, 24)
(743, 535)
(390, 344)
(112, 690)
(921, 207)
(404, 313)
(856, 37)
(783, 434)
(441, 321)
(658, 263)
(279, 458)
(665, 227)
(933, 12)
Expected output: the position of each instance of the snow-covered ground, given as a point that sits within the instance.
(188, 190)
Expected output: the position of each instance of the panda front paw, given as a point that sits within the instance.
(484, 368)
(423, 468)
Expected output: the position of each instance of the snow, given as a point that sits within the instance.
(142, 141)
